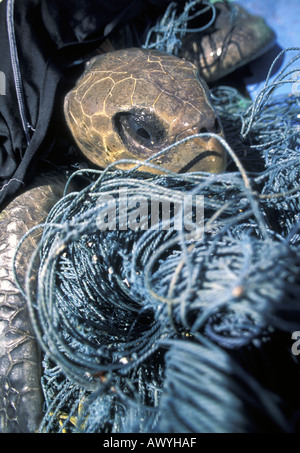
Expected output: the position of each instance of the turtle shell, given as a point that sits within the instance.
(134, 103)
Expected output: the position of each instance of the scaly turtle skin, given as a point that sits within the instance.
(131, 104)
(21, 399)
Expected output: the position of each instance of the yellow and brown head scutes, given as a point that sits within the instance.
(133, 103)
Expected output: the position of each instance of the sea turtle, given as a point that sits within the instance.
(129, 103)
(163, 101)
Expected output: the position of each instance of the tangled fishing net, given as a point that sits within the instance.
(178, 324)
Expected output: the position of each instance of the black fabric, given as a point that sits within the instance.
(50, 36)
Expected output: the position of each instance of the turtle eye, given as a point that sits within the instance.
(143, 133)
(139, 130)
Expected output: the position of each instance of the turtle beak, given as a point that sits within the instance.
(205, 154)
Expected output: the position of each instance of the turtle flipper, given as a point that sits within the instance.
(235, 38)
(21, 396)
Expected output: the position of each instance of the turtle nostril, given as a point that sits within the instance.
(203, 130)
(211, 125)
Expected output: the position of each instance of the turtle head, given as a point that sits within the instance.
(134, 103)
